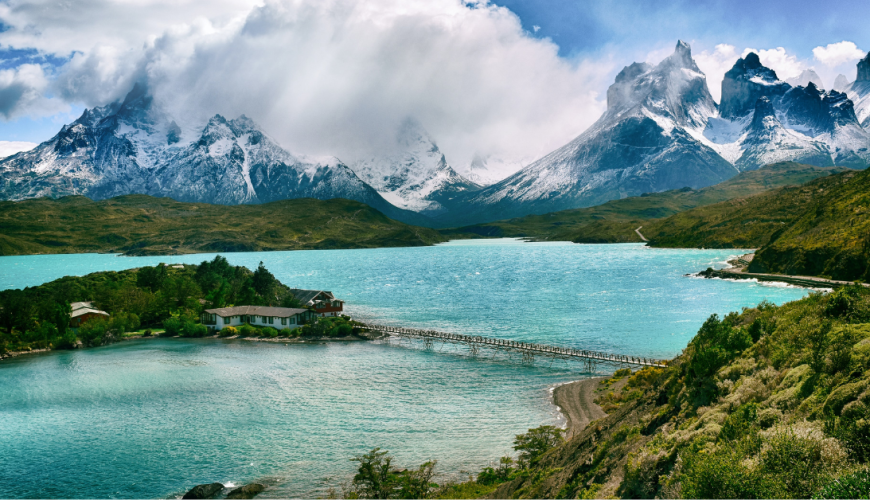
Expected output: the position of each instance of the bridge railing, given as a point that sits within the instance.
(524, 346)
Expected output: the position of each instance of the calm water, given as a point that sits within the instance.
(150, 418)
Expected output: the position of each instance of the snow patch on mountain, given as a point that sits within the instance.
(415, 175)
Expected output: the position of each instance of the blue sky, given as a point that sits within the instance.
(336, 76)
(590, 26)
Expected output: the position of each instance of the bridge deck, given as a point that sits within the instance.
(524, 347)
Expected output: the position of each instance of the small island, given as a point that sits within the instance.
(213, 298)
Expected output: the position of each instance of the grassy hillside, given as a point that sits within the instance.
(772, 402)
(615, 221)
(143, 225)
(821, 228)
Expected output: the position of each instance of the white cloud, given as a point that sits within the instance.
(329, 76)
(9, 148)
(715, 64)
(22, 92)
(780, 60)
(835, 54)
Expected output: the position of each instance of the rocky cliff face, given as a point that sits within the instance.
(130, 147)
(859, 92)
(744, 83)
(785, 123)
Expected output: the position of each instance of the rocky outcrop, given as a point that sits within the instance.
(745, 83)
(247, 491)
(204, 491)
(864, 69)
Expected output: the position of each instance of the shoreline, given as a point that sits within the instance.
(576, 402)
(285, 340)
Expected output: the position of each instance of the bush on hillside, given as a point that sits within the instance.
(269, 332)
(229, 331)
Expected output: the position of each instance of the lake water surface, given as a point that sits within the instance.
(150, 418)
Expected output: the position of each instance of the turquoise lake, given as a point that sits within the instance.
(151, 418)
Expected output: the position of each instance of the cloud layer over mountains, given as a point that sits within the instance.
(333, 77)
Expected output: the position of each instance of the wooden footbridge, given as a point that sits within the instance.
(528, 350)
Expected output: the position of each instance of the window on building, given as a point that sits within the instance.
(283, 321)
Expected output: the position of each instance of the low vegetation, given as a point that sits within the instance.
(144, 225)
(615, 221)
(167, 298)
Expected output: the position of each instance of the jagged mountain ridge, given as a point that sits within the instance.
(662, 130)
(416, 176)
(764, 120)
(129, 147)
(641, 144)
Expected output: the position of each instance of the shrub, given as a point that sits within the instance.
(229, 331)
(855, 485)
(248, 330)
(286, 332)
(269, 332)
(489, 475)
(721, 474)
(172, 327)
(93, 332)
(67, 341)
(739, 422)
(191, 329)
(147, 333)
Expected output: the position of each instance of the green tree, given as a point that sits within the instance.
(264, 284)
(61, 317)
(374, 477)
(151, 278)
(534, 443)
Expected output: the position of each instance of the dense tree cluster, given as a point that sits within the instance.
(149, 297)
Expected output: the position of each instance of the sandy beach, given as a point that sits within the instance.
(576, 401)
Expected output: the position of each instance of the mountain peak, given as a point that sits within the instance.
(745, 82)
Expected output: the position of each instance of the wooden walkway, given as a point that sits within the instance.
(527, 349)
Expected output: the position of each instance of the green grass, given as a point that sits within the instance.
(144, 225)
(615, 221)
(821, 228)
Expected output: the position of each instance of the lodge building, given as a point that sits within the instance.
(276, 317)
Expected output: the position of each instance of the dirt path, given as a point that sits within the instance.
(576, 400)
(638, 233)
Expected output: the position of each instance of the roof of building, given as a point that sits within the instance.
(306, 296)
(80, 305)
(87, 310)
(278, 312)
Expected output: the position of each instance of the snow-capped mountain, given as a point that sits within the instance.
(415, 176)
(646, 141)
(662, 130)
(131, 147)
(859, 92)
(763, 120)
(806, 77)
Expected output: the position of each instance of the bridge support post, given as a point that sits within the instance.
(528, 357)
